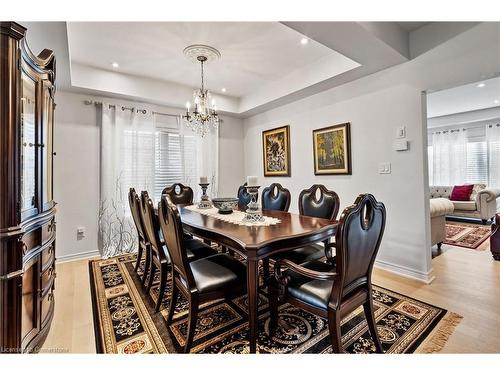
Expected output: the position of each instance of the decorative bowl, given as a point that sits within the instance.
(225, 205)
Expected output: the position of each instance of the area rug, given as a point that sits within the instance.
(125, 321)
(466, 235)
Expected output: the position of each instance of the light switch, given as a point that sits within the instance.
(80, 232)
(401, 132)
(401, 145)
(384, 168)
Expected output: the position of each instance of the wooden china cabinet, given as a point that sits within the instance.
(27, 208)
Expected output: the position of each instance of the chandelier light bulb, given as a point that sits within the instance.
(188, 105)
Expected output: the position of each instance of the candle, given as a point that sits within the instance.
(203, 180)
(252, 181)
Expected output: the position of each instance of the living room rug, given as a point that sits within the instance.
(466, 235)
(125, 321)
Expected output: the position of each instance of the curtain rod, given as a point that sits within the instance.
(123, 108)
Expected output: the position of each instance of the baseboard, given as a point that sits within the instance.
(78, 256)
(409, 273)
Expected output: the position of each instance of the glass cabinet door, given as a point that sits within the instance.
(28, 147)
(47, 145)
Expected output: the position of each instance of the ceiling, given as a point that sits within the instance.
(464, 98)
(412, 26)
(253, 53)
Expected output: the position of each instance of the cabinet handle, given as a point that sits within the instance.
(24, 247)
(52, 226)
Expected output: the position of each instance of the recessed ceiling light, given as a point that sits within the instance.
(304, 41)
(223, 89)
(495, 101)
(115, 65)
(480, 85)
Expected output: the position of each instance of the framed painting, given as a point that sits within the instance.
(332, 150)
(276, 149)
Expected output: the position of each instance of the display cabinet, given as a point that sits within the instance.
(27, 208)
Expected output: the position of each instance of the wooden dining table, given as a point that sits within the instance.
(257, 243)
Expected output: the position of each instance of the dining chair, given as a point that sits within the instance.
(135, 208)
(317, 201)
(160, 259)
(179, 194)
(276, 197)
(334, 289)
(206, 279)
(243, 197)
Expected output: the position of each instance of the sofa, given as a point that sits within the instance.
(482, 204)
(439, 208)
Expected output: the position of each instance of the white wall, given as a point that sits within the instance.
(375, 106)
(76, 168)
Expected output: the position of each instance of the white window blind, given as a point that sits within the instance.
(477, 163)
(175, 159)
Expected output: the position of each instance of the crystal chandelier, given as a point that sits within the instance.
(204, 115)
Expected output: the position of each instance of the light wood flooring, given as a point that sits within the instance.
(467, 282)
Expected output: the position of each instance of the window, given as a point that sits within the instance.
(175, 159)
(477, 163)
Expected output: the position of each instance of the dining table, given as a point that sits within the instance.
(258, 242)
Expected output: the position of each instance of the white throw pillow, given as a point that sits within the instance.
(476, 189)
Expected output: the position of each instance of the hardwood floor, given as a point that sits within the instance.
(467, 282)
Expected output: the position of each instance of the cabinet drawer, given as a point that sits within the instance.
(30, 241)
(46, 307)
(48, 255)
(48, 278)
(48, 230)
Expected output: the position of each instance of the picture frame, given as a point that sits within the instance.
(332, 150)
(276, 151)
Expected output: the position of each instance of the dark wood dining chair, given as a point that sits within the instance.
(244, 197)
(334, 289)
(276, 197)
(160, 259)
(317, 201)
(143, 249)
(206, 279)
(179, 194)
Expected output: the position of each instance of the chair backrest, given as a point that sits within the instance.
(135, 208)
(358, 238)
(276, 197)
(151, 225)
(171, 226)
(325, 206)
(179, 194)
(244, 197)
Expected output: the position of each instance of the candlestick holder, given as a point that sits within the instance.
(205, 202)
(253, 213)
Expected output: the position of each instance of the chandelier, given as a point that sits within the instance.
(204, 116)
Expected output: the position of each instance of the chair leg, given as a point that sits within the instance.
(372, 326)
(265, 266)
(163, 284)
(146, 267)
(173, 301)
(193, 317)
(334, 328)
(139, 258)
(152, 271)
(273, 309)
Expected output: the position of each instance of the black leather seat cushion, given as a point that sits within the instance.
(197, 249)
(303, 254)
(313, 292)
(218, 272)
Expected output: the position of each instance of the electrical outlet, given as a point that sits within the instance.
(80, 232)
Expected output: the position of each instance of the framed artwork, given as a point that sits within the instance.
(276, 149)
(332, 150)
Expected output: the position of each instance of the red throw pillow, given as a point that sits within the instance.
(461, 192)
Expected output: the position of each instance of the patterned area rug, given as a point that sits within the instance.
(125, 321)
(466, 235)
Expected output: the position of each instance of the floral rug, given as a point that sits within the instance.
(125, 321)
(466, 235)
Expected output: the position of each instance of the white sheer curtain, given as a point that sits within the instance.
(493, 139)
(127, 160)
(449, 156)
